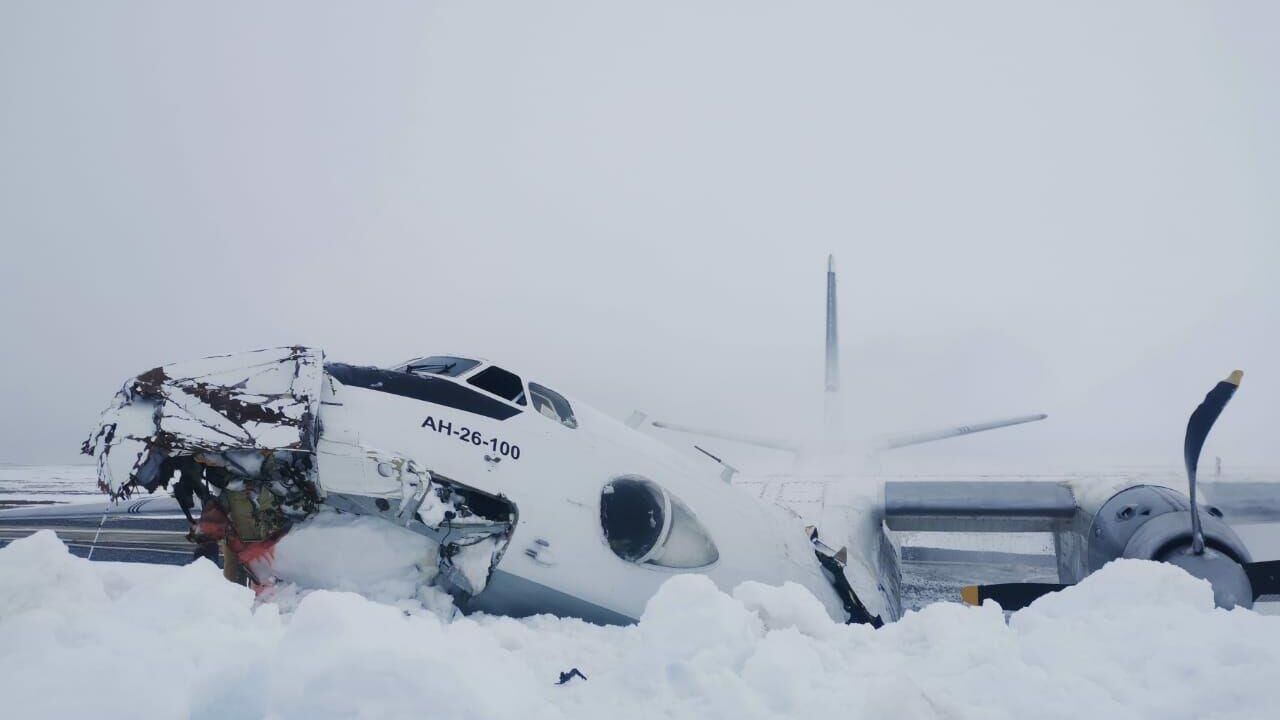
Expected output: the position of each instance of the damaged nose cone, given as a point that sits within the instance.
(1231, 586)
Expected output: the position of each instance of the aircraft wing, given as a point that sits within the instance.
(1038, 506)
(978, 506)
(148, 529)
(1245, 502)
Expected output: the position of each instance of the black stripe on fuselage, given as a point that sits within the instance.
(427, 389)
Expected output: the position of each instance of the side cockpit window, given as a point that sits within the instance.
(645, 524)
(446, 365)
(552, 404)
(506, 385)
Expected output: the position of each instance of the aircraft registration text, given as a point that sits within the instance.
(473, 437)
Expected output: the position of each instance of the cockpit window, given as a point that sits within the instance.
(446, 365)
(504, 384)
(645, 524)
(552, 404)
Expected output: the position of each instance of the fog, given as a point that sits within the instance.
(1067, 208)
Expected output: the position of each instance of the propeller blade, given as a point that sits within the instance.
(1010, 596)
(1205, 416)
(1198, 427)
(1264, 577)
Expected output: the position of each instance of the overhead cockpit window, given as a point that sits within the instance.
(439, 365)
(504, 384)
(644, 523)
(552, 404)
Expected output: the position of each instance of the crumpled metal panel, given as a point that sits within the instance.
(264, 400)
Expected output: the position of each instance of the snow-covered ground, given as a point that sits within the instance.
(107, 640)
(111, 640)
(25, 484)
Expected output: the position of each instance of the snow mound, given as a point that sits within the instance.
(332, 551)
(103, 640)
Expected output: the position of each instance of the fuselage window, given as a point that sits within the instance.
(552, 404)
(645, 524)
(633, 514)
(446, 365)
(504, 384)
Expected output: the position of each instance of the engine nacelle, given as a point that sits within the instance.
(1150, 522)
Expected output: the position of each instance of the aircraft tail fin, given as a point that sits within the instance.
(833, 340)
(833, 409)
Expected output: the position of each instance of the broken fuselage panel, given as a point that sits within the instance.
(245, 407)
(251, 423)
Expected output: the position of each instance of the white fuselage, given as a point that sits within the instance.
(558, 559)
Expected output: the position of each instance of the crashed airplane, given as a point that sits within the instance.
(537, 503)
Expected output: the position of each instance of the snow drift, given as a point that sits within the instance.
(107, 640)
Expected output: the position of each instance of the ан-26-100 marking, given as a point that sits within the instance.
(474, 437)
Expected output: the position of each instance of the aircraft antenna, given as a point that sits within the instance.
(98, 534)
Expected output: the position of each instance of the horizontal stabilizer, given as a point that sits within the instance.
(770, 443)
(945, 433)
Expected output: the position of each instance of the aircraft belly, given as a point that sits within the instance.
(509, 593)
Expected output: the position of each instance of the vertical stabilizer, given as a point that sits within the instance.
(833, 342)
(831, 398)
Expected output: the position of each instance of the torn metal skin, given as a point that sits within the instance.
(247, 428)
(262, 402)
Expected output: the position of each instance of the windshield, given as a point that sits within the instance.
(504, 384)
(446, 365)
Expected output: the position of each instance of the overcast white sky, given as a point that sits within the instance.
(1059, 207)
